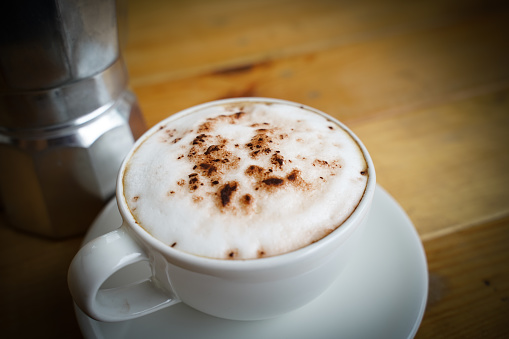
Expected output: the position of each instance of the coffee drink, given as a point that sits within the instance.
(245, 180)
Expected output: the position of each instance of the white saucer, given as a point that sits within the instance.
(381, 294)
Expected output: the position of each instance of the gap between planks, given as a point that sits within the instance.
(464, 226)
(307, 48)
(448, 98)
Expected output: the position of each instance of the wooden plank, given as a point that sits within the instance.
(169, 40)
(396, 74)
(444, 164)
(33, 280)
(469, 284)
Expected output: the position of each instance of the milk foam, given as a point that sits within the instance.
(245, 180)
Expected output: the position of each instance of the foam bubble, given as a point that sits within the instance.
(245, 181)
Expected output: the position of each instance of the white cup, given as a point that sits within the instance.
(233, 289)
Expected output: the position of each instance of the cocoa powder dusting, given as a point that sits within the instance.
(208, 169)
(265, 179)
(211, 149)
(260, 143)
(232, 254)
(211, 160)
(292, 176)
(226, 193)
(247, 199)
(200, 139)
(277, 160)
(254, 170)
(205, 127)
(209, 125)
(273, 181)
(332, 166)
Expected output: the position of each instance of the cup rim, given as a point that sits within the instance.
(188, 259)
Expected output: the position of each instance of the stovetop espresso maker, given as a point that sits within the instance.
(67, 117)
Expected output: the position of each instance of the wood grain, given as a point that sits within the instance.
(35, 300)
(172, 39)
(394, 74)
(444, 164)
(425, 84)
(469, 283)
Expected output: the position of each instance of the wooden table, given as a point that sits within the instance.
(425, 85)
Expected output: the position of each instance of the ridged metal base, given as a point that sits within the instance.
(54, 181)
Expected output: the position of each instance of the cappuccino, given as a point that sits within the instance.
(244, 180)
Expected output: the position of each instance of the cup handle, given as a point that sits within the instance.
(96, 262)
